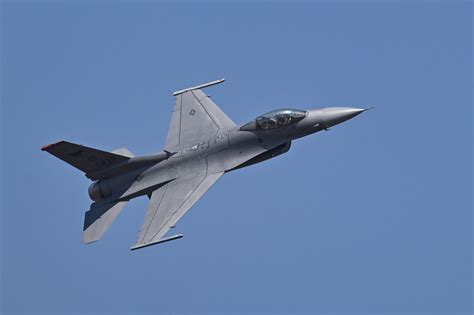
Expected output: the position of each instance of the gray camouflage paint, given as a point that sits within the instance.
(202, 144)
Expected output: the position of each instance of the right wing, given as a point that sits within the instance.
(169, 203)
(195, 118)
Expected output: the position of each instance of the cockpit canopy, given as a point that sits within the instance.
(275, 119)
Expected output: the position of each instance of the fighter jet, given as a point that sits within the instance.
(203, 144)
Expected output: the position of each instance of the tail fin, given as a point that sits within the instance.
(99, 218)
(86, 159)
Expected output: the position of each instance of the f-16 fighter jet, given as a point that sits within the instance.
(202, 144)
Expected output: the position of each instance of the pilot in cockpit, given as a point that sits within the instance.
(275, 119)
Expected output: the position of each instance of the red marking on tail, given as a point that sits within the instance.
(46, 147)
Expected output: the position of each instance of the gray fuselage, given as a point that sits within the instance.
(202, 144)
(228, 150)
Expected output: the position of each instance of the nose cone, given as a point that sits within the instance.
(336, 115)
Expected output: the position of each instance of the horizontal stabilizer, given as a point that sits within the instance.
(84, 158)
(99, 218)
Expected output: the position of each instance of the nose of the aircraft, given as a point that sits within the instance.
(336, 115)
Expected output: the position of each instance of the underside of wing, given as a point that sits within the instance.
(195, 117)
(169, 203)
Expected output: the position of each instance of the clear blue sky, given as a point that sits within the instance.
(372, 217)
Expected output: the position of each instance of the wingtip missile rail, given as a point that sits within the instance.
(168, 239)
(201, 86)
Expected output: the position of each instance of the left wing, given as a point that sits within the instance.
(169, 203)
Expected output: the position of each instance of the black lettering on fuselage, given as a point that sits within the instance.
(207, 144)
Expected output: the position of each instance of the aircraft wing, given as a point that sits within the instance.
(195, 117)
(169, 203)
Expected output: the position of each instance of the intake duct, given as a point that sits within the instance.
(276, 151)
